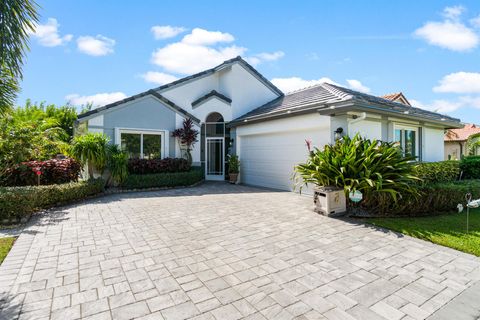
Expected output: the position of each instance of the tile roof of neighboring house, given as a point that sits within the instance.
(221, 66)
(462, 134)
(212, 93)
(326, 96)
(397, 97)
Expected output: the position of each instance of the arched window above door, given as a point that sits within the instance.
(214, 117)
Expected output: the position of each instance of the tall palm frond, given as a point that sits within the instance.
(17, 21)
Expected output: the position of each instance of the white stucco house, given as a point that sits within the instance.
(237, 110)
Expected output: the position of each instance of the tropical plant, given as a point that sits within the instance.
(187, 136)
(117, 163)
(24, 140)
(359, 164)
(473, 144)
(17, 21)
(91, 150)
(233, 163)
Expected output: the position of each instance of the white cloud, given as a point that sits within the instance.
(440, 106)
(165, 32)
(357, 85)
(447, 106)
(202, 49)
(417, 103)
(98, 99)
(95, 46)
(185, 58)
(451, 33)
(475, 21)
(264, 56)
(296, 83)
(453, 13)
(204, 37)
(270, 56)
(459, 82)
(158, 77)
(47, 34)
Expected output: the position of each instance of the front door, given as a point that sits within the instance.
(215, 164)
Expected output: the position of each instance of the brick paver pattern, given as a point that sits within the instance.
(218, 251)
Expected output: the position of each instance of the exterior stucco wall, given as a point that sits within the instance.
(183, 95)
(245, 90)
(433, 145)
(366, 128)
(144, 114)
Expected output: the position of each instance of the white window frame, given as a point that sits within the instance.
(397, 126)
(164, 134)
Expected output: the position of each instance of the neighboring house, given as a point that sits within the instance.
(237, 110)
(397, 97)
(456, 141)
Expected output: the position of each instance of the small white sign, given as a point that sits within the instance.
(356, 196)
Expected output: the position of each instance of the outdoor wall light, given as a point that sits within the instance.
(230, 143)
(338, 134)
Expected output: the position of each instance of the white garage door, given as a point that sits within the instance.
(268, 160)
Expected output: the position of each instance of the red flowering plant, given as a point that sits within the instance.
(187, 136)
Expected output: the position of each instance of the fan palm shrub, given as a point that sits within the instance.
(369, 166)
(91, 150)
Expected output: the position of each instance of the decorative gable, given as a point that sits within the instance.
(211, 95)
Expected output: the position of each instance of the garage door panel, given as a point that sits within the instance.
(269, 159)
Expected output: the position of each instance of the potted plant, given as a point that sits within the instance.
(187, 136)
(233, 168)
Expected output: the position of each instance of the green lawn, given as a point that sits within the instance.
(447, 230)
(5, 246)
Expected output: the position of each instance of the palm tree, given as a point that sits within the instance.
(17, 21)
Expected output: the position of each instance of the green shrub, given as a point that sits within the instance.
(16, 202)
(434, 172)
(433, 199)
(470, 167)
(359, 164)
(159, 180)
(117, 161)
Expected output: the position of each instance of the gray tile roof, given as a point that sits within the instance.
(324, 95)
(180, 81)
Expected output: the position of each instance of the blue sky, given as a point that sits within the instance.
(105, 50)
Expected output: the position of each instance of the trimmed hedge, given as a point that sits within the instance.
(434, 199)
(435, 172)
(52, 171)
(160, 180)
(17, 202)
(470, 167)
(148, 166)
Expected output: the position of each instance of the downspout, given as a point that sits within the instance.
(358, 119)
(363, 116)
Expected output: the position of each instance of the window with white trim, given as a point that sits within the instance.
(142, 144)
(407, 137)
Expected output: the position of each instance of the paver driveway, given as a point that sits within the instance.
(218, 251)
